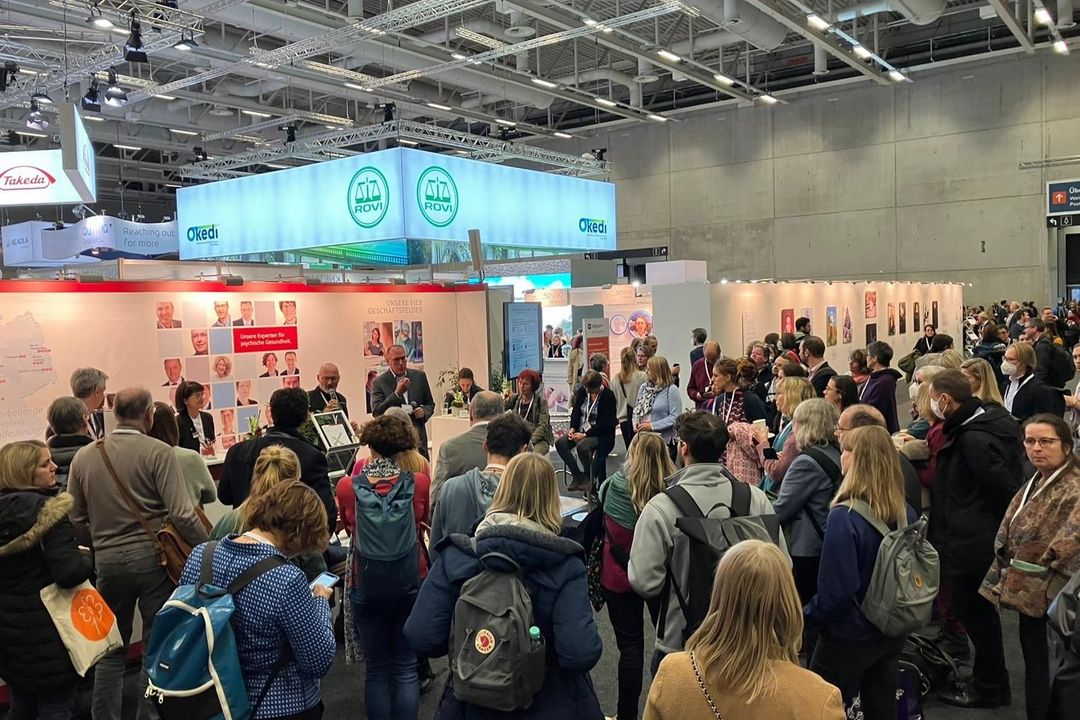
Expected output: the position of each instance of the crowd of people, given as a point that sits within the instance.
(813, 469)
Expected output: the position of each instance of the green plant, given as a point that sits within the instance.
(498, 380)
(308, 432)
(447, 377)
(458, 400)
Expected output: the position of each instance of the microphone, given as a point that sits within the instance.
(333, 395)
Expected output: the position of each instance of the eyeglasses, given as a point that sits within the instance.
(1041, 442)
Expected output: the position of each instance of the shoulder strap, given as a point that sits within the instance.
(740, 498)
(263, 566)
(684, 502)
(825, 463)
(128, 497)
(206, 570)
(860, 507)
(499, 556)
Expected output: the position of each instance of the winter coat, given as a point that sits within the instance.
(1044, 532)
(62, 449)
(880, 391)
(554, 574)
(463, 502)
(803, 502)
(978, 472)
(993, 353)
(1032, 397)
(37, 549)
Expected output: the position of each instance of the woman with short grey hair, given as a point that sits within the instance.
(67, 418)
(807, 489)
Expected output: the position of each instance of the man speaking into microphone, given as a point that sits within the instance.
(326, 398)
(404, 386)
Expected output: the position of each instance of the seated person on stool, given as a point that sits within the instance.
(592, 432)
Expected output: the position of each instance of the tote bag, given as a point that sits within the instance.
(86, 625)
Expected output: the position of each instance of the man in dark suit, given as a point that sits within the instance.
(699, 336)
(402, 386)
(591, 435)
(174, 370)
(813, 357)
(326, 398)
(247, 313)
(459, 455)
(288, 410)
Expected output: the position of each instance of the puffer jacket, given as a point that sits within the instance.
(37, 549)
(62, 449)
(978, 472)
(554, 573)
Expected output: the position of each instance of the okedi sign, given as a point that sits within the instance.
(392, 195)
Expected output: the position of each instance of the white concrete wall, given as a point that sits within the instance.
(913, 182)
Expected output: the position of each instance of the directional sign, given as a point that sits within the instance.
(1062, 221)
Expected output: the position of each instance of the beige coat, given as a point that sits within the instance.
(800, 695)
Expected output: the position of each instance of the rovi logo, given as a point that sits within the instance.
(437, 196)
(25, 177)
(369, 197)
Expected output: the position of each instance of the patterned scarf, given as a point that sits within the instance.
(645, 399)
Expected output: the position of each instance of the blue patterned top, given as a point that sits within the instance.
(276, 609)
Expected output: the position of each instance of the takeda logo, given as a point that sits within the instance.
(25, 177)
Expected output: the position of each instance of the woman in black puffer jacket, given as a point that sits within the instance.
(37, 548)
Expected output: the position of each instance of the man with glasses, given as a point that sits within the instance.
(978, 472)
(862, 415)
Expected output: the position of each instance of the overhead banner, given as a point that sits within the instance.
(77, 153)
(391, 195)
(22, 247)
(51, 177)
(109, 233)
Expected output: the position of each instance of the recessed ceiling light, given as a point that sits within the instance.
(606, 102)
(256, 113)
(668, 55)
(544, 83)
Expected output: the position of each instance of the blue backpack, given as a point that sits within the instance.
(387, 562)
(191, 660)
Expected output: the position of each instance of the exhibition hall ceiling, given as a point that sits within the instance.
(234, 87)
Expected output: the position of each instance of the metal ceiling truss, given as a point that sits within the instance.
(484, 148)
(399, 18)
(153, 15)
(106, 58)
(666, 7)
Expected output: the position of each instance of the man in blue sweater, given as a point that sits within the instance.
(880, 389)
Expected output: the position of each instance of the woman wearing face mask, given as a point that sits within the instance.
(1036, 549)
(1024, 393)
(920, 422)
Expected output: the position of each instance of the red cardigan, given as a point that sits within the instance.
(346, 499)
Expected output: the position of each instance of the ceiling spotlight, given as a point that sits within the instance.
(96, 18)
(817, 22)
(290, 133)
(599, 153)
(12, 137)
(36, 120)
(186, 45)
(1042, 16)
(133, 46)
(91, 101)
(115, 96)
(42, 98)
(388, 111)
(200, 154)
(862, 51)
(8, 74)
(1061, 47)
(504, 133)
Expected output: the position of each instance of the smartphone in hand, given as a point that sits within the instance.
(326, 580)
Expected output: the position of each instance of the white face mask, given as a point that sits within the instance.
(1007, 368)
(913, 391)
(936, 409)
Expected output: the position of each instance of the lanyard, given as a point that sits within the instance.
(729, 405)
(863, 390)
(528, 409)
(259, 538)
(197, 424)
(589, 409)
(1028, 495)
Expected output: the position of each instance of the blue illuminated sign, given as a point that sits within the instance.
(392, 195)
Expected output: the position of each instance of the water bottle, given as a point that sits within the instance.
(536, 640)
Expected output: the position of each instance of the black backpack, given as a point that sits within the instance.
(833, 471)
(1061, 368)
(709, 539)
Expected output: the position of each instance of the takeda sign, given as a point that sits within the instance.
(35, 177)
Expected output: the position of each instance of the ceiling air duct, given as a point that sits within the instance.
(744, 20)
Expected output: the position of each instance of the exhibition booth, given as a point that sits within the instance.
(243, 341)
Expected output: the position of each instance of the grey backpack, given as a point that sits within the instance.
(496, 664)
(904, 583)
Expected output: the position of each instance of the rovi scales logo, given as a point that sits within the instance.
(437, 196)
(369, 197)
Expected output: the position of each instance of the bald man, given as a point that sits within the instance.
(700, 386)
(326, 398)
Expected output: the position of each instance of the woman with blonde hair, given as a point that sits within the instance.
(851, 653)
(624, 495)
(980, 375)
(776, 458)
(626, 384)
(37, 549)
(743, 660)
(659, 402)
(520, 533)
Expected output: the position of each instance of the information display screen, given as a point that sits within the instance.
(522, 337)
